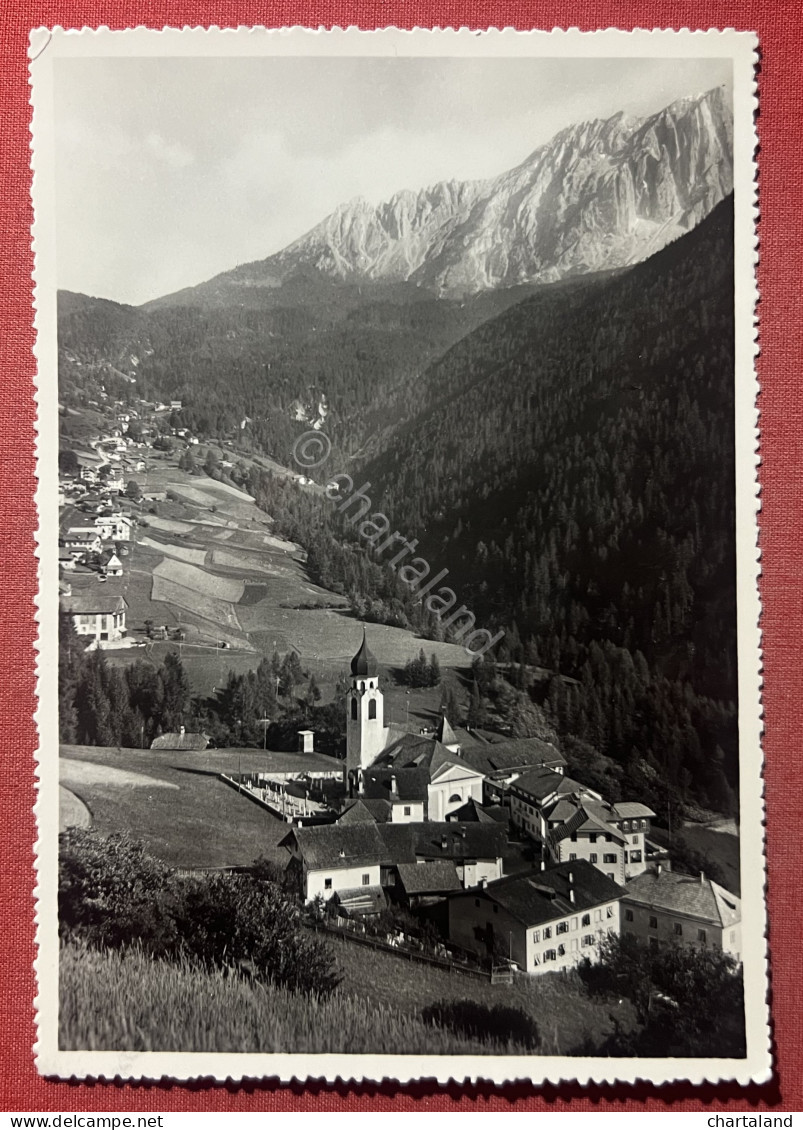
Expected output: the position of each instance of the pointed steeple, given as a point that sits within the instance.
(364, 664)
(444, 733)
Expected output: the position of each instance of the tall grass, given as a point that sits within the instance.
(125, 1000)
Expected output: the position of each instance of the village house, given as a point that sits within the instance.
(336, 859)
(544, 922)
(662, 907)
(114, 527)
(571, 821)
(476, 851)
(110, 564)
(82, 539)
(97, 614)
(181, 741)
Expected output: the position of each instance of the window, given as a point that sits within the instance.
(653, 922)
(573, 837)
(678, 930)
(366, 880)
(455, 798)
(609, 857)
(547, 932)
(593, 857)
(597, 915)
(643, 825)
(586, 920)
(635, 839)
(626, 826)
(636, 857)
(609, 912)
(588, 939)
(628, 916)
(593, 837)
(562, 928)
(354, 708)
(372, 708)
(549, 955)
(561, 950)
(572, 855)
(476, 902)
(407, 810)
(536, 935)
(702, 936)
(362, 686)
(536, 959)
(327, 884)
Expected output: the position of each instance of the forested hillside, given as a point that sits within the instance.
(572, 463)
(272, 356)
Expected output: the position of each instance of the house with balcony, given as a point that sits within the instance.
(544, 922)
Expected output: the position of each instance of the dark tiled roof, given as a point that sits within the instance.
(587, 818)
(366, 812)
(411, 784)
(339, 845)
(429, 878)
(695, 895)
(541, 783)
(431, 840)
(544, 896)
(504, 755)
(474, 813)
(180, 741)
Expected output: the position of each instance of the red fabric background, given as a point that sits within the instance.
(781, 233)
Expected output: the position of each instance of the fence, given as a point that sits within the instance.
(350, 934)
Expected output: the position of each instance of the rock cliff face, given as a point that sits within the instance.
(599, 195)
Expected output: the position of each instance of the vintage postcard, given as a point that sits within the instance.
(399, 695)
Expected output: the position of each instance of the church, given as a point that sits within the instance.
(414, 776)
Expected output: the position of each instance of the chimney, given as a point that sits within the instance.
(543, 865)
(702, 877)
(658, 869)
(444, 843)
(342, 853)
(181, 729)
(393, 787)
(305, 741)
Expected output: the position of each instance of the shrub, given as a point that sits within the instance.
(499, 1023)
(113, 895)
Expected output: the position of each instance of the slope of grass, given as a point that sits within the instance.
(127, 1001)
(566, 1016)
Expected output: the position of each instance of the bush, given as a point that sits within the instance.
(113, 895)
(499, 1023)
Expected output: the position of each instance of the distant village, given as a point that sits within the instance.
(486, 837)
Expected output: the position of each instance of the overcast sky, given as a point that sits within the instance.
(172, 170)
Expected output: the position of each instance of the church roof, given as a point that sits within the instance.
(364, 662)
(445, 733)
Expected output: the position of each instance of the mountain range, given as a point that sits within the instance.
(599, 195)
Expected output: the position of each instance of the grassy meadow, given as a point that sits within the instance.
(125, 1000)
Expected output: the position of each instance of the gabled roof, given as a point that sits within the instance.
(544, 896)
(437, 877)
(695, 895)
(411, 785)
(334, 846)
(407, 843)
(365, 812)
(189, 742)
(473, 812)
(541, 783)
(586, 820)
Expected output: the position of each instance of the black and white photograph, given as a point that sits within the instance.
(399, 653)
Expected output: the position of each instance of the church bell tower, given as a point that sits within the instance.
(365, 723)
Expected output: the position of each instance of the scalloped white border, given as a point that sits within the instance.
(741, 47)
